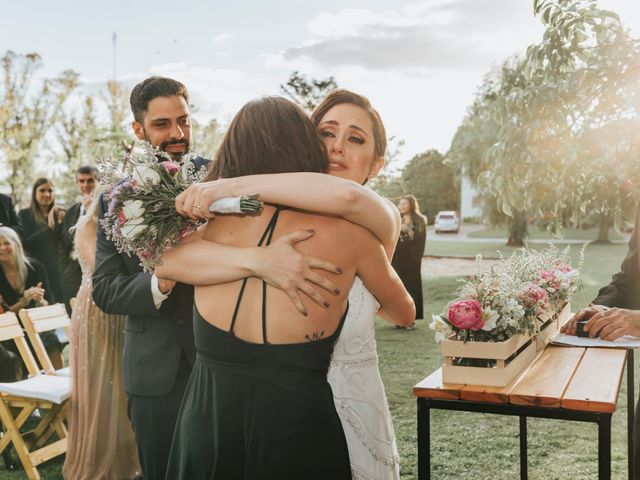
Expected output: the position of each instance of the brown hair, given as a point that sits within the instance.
(269, 135)
(154, 87)
(341, 96)
(34, 207)
(417, 218)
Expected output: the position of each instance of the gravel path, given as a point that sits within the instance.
(453, 267)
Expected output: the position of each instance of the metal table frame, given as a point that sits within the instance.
(425, 405)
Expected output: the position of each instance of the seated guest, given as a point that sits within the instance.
(41, 229)
(24, 284)
(70, 272)
(8, 215)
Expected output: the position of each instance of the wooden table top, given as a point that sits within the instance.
(583, 379)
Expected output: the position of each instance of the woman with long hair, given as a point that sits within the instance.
(24, 284)
(407, 259)
(41, 230)
(258, 404)
(355, 142)
(101, 442)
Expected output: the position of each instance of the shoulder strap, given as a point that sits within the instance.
(266, 235)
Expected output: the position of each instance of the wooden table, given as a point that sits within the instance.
(564, 383)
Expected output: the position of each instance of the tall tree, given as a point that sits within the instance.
(308, 93)
(569, 136)
(27, 112)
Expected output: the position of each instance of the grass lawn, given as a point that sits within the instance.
(473, 446)
(477, 447)
(537, 233)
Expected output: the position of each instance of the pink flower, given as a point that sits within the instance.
(171, 167)
(466, 314)
(532, 295)
(564, 268)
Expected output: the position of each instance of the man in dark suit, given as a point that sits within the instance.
(70, 272)
(159, 348)
(616, 312)
(8, 215)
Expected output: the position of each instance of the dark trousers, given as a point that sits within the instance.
(154, 420)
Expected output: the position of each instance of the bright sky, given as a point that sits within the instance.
(419, 63)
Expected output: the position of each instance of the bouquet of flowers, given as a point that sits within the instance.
(140, 217)
(516, 296)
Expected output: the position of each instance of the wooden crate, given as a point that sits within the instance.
(510, 357)
(551, 326)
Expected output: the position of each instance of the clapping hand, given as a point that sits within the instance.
(35, 294)
(54, 213)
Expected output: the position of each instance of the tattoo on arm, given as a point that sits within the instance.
(314, 336)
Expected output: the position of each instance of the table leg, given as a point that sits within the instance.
(604, 447)
(523, 448)
(630, 411)
(424, 439)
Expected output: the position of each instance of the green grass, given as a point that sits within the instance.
(473, 446)
(538, 234)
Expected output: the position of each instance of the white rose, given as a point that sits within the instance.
(132, 209)
(146, 175)
(131, 229)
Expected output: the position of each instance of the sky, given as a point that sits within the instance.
(418, 62)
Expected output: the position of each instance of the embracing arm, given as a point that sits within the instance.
(197, 261)
(316, 192)
(383, 282)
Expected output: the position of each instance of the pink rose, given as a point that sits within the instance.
(466, 314)
(171, 167)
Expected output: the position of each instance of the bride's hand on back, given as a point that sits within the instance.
(283, 267)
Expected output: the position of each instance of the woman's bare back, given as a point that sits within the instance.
(335, 240)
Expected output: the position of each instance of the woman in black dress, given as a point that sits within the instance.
(258, 404)
(41, 230)
(24, 284)
(407, 259)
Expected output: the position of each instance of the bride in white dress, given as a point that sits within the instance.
(355, 140)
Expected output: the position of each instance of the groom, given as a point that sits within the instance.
(616, 312)
(159, 348)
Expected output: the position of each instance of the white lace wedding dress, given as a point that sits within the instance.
(359, 394)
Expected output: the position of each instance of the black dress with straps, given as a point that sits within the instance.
(258, 410)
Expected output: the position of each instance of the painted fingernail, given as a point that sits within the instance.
(339, 270)
(305, 314)
(336, 291)
(325, 304)
(311, 231)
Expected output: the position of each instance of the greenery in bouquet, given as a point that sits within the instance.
(140, 216)
(516, 296)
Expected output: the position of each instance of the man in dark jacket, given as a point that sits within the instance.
(616, 312)
(70, 273)
(8, 215)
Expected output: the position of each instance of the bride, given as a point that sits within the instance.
(355, 141)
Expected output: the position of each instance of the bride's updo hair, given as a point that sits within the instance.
(269, 135)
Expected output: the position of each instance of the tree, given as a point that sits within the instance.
(433, 182)
(569, 136)
(476, 135)
(308, 93)
(208, 137)
(26, 116)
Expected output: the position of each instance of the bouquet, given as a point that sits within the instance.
(516, 296)
(140, 216)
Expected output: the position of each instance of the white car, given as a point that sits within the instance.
(447, 221)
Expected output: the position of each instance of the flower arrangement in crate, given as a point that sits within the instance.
(498, 313)
(140, 215)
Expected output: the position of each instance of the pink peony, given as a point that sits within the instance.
(171, 167)
(532, 295)
(466, 314)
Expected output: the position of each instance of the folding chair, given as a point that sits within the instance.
(44, 319)
(48, 393)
